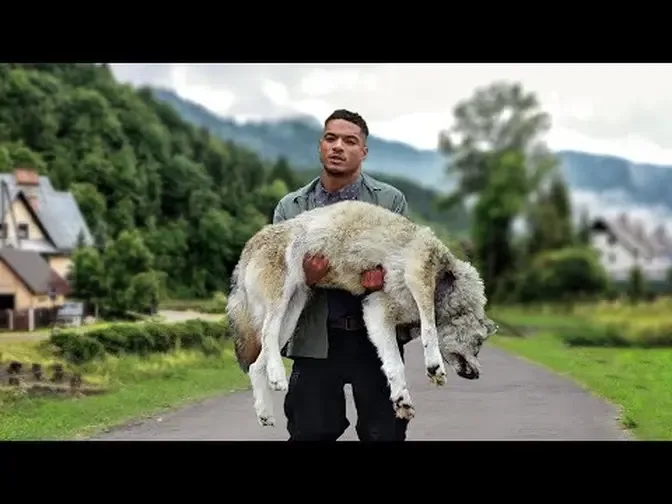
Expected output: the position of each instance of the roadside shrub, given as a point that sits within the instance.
(566, 275)
(77, 348)
(141, 339)
(635, 333)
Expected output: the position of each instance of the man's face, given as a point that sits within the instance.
(342, 147)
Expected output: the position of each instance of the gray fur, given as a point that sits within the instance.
(426, 287)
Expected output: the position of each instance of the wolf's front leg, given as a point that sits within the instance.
(422, 291)
(383, 335)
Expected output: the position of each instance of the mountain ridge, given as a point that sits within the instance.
(610, 182)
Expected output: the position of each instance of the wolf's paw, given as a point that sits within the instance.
(403, 406)
(277, 378)
(264, 412)
(436, 371)
(436, 374)
(266, 420)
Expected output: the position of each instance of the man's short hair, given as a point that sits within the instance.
(352, 117)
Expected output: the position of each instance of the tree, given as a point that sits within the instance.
(495, 152)
(282, 171)
(143, 177)
(87, 275)
(549, 220)
(563, 275)
(583, 228)
(636, 287)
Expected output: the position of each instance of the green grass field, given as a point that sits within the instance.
(631, 366)
(138, 387)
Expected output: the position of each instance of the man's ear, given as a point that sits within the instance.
(365, 152)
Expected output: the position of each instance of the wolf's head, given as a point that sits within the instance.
(461, 321)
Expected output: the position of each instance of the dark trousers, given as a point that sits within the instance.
(315, 401)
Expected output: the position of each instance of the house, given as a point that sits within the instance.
(39, 230)
(624, 242)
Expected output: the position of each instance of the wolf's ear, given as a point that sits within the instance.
(445, 283)
(491, 327)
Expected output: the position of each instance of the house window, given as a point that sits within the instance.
(22, 232)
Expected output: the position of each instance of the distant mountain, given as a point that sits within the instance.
(296, 139)
(605, 184)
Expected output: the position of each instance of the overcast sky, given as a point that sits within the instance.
(605, 109)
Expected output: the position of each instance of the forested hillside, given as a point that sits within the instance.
(170, 205)
(158, 193)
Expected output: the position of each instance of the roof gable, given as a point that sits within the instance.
(33, 271)
(21, 196)
(633, 236)
(57, 212)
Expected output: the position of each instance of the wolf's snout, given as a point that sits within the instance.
(467, 368)
(469, 373)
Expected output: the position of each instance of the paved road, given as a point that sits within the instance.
(513, 400)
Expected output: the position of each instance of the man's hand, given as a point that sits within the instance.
(373, 280)
(314, 268)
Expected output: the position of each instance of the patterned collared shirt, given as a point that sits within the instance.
(349, 192)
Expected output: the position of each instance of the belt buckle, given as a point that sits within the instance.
(348, 325)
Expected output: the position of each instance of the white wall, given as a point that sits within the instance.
(618, 260)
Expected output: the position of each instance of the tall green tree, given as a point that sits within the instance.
(549, 221)
(497, 156)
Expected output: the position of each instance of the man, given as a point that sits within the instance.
(330, 347)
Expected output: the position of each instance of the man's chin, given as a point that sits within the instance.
(338, 170)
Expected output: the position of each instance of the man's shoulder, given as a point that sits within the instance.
(386, 187)
(288, 198)
(287, 206)
(389, 196)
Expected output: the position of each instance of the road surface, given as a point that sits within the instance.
(513, 400)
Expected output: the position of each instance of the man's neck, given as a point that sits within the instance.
(332, 184)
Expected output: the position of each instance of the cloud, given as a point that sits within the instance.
(607, 108)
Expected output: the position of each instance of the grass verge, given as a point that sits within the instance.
(637, 379)
(601, 324)
(137, 387)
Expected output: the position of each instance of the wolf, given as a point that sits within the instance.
(440, 297)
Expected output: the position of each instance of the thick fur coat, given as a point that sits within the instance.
(440, 296)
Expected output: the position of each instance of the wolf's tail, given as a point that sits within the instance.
(246, 340)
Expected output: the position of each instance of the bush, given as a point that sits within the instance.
(566, 275)
(140, 339)
(621, 333)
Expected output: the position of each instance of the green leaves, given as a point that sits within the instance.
(163, 199)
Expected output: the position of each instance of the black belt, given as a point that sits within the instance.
(347, 324)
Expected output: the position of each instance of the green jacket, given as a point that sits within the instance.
(310, 337)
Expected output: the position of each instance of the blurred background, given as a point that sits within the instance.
(147, 180)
